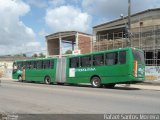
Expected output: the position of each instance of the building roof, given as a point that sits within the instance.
(65, 34)
(136, 14)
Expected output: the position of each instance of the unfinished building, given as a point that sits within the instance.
(144, 33)
(78, 41)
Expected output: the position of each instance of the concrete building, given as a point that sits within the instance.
(145, 34)
(78, 41)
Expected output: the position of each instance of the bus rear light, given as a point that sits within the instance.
(135, 68)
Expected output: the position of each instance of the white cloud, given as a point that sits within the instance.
(43, 33)
(67, 18)
(112, 9)
(38, 3)
(56, 3)
(15, 35)
(46, 3)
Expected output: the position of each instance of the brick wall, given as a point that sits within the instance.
(53, 47)
(84, 43)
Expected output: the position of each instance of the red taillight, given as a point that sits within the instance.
(135, 68)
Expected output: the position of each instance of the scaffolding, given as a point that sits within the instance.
(145, 38)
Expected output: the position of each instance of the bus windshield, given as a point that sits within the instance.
(139, 56)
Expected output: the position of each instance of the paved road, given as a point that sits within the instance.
(17, 97)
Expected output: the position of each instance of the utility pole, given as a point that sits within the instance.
(129, 23)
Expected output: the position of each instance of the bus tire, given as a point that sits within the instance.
(20, 78)
(47, 80)
(96, 82)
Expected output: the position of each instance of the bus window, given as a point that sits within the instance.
(122, 57)
(19, 65)
(28, 65)
(24, 65)
(46, 64)
(35, 64)
(139, 56)
(86, 61)
(98, 60)
(74, 62)
(111, 58)
(14, 66)
(32, 65)
(39, 64)
(51, 64)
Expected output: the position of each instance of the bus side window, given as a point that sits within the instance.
(39, 64)
(98, 60)
(74, 62)
(35, 64)
(28, 65)
(112, 58)
(86, 61)
(19, 65)
(32, 65)
(51, 64)
(24, 65)
(122, 57)
(46, 64)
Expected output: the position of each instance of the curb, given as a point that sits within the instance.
(146, 87)
(151, 83)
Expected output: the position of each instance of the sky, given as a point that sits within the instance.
(25, 23)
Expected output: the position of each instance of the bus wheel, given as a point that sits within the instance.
(96, 82)
(47, 80)
(109, 85)
(20, 78)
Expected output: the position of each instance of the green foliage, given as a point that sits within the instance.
(24, 55)
(35, 55)
(68, 52)
(41, 55)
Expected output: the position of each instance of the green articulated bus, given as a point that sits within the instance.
(123, 65)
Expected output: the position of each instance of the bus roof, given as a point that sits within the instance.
(113, 50)
(34, 59)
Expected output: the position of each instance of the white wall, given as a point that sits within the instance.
(6, 68)
(152, 73)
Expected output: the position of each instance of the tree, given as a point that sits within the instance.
(41, 55)
(68, 52)
(35, 55)
(18, 55)
(24, 55)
